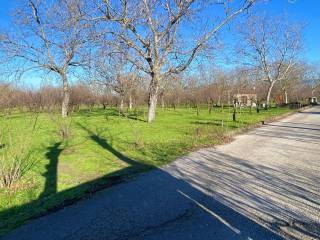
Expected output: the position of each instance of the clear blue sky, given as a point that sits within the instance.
(305, 11)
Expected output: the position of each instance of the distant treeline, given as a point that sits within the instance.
(183, 92)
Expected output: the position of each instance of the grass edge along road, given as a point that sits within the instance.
(104, 149)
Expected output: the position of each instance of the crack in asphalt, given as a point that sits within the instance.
(152, 229)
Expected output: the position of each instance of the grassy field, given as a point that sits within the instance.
(103, 149)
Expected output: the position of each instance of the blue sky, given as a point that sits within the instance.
(304, 11)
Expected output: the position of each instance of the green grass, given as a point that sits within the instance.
(104, 149)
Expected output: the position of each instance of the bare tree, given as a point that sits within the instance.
(134, 82)
(110, 71)
(49, 36)
(271, 47)
(312, 77)
(151, 33)
(291, 81)
(175, 92)
(222, 84)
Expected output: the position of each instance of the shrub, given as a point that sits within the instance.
(14, 165)
(15, 158)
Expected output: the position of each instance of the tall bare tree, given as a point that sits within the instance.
(312, 77)
(292, 81)
(152, 32)
(110, 72)
(271, 47)
(49, 36)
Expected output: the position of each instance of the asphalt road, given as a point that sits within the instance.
(263, 185)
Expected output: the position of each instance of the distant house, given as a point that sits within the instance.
(246, 100)
(313, 100)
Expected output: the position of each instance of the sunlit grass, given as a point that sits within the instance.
(102, 146)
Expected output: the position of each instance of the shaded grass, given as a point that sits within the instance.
(104, 149)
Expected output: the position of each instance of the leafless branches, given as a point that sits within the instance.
(49, 36)
(270, 46)
(150, 32)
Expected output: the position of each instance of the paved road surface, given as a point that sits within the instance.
(264, 185)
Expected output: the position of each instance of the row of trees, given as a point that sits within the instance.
(149, 35)
(124, 47)
(212, 88)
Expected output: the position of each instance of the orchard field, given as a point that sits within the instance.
(65, 160)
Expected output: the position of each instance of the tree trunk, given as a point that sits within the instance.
(162, 101)
(269, 94)
(121, 104)
(285, 97)
(130, 102)
(210, 108)
(153, 95)
(66, 96)
(234, 110)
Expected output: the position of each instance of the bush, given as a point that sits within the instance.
(13, 166)
(15, 158)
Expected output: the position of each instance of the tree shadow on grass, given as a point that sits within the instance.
(217, 195)
(51, 173)
(159, 200)
(229, 124)
(102, 142)
(136, 115)
(50, 200)
(158, 196)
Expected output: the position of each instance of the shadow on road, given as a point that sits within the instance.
(207, 195)
(288, 126)
(163, 204)
(292, 131)
(285, 199)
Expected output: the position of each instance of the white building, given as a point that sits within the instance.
(246, 100)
